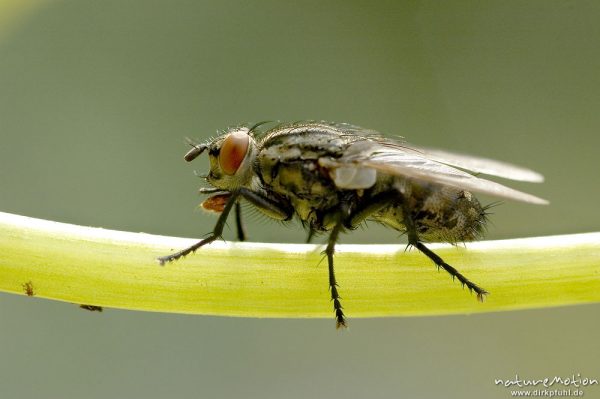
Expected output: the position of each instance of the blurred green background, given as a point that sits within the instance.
(97, 97)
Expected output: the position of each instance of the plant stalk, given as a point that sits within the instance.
(114, 269)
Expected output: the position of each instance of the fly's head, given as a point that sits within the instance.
(231, 156)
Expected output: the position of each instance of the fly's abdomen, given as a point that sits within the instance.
(447, 214)
(438, 213)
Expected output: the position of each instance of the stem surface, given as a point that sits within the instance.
(115, 269)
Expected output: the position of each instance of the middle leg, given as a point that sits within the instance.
(340, 319)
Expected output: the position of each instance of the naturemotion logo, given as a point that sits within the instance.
(556, 386)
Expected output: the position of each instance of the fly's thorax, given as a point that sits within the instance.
(305, 185)
(231, 157)
(288, 163)
(288, 166)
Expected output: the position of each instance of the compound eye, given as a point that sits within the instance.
(233, 151)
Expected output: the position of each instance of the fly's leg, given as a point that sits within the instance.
(241, 234)
(383, 200)
(413, 239)
(374, 205)
(453, 272)
(216, 233)
(340, 320)
(352, 221)
(271, 207)
(310, 235)
(210, 190)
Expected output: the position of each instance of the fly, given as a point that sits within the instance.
(334, 177)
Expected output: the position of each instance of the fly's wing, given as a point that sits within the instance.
(483, 165)
(394, 159)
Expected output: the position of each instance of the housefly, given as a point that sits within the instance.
(334, 176)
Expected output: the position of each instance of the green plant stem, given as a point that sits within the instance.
(115, 269)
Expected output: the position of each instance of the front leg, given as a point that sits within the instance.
(241, 234)
(216, 233)
(272, 207)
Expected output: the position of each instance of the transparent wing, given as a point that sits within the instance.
(394, 159)
(463, 161)
(483, 165)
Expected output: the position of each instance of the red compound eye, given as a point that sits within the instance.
(233, 151)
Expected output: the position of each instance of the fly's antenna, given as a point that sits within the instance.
(196, 150)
